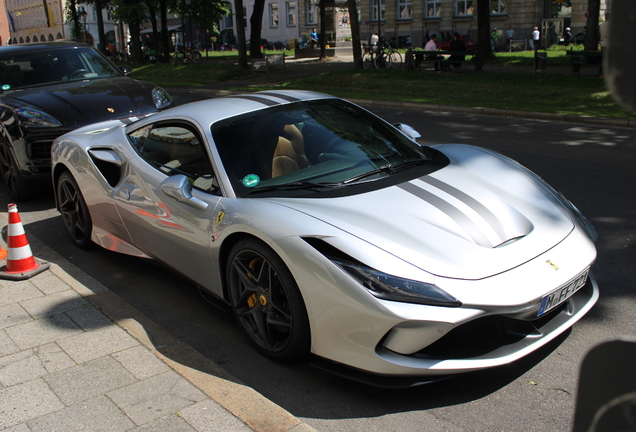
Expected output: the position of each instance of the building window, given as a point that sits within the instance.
(291, 13)
(433, 8)
(463, 7)
(498, 7)
(375, 10)
(273, 14)
(312, 11)
(229, 22)
(404, 9)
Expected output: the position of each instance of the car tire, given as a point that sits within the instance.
(75, 215)
(267, 302)
(18, 188)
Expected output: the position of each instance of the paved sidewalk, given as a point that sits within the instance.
(75, 357)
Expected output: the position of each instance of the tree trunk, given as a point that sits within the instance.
(591, 32)
(355, 34)
(165, 37)
(323, 25)
(483, 29)
(98, 5)
(255, 24)
(135, 44)
(240, 34)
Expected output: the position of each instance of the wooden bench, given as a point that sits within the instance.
(445, 63)
(584, 58)
(271, 62)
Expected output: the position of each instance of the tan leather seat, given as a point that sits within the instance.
(289, 155)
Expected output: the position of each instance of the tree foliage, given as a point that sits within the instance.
(73, 20)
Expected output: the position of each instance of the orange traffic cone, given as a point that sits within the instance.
(20, 261)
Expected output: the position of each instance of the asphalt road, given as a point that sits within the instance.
(593, 166)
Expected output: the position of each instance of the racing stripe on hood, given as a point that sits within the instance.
(489, 225)
(463, 220)
(481, 209)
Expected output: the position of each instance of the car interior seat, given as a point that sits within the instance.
(289, 155)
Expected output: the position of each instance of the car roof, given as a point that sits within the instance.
(211, 110)
(38, 46)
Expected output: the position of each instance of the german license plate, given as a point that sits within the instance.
(561, 294)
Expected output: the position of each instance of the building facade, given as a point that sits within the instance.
(45, 20)
(419, 18)
(398, 19)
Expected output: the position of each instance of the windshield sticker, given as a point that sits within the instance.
(251, 180)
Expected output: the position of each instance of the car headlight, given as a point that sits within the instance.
(161, 98)
(389, 287)
(34, 118)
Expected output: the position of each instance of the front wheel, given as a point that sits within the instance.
(267, 301)
(19, 189)
(75, 215)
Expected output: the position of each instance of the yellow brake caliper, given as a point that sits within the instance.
(252, 300)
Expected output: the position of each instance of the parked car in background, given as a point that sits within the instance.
(470, 43)
(50, 88)
(330, 231)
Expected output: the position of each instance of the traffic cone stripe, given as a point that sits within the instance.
(20, 258)
(20, 253)
(17, 242)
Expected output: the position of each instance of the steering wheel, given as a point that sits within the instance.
(78, 73)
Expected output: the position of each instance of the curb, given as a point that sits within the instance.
(255, 410)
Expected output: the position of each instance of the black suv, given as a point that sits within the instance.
(50, 88)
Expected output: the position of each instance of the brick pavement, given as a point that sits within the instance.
(75, 357)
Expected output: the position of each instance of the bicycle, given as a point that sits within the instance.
(185, 56)
(381, 58)
(368, 57)
(388, 58)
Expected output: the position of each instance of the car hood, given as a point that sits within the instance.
(75, 103)
(479, 216)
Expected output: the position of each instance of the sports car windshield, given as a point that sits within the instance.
(310, 146)
(53, 66)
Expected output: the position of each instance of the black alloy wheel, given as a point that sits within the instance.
(19, 189)
(75, 215)
(267, 301)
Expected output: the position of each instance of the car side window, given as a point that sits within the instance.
(175, 149)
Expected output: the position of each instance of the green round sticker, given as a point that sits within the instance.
(251, 180)
(6, 87)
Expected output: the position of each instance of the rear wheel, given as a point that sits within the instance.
(383, 61)
(75, 215)
(267, 301)
(19, 189)
(367, 60)
(396, 59)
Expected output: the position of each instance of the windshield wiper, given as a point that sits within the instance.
(389, 168)
(295, 185)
